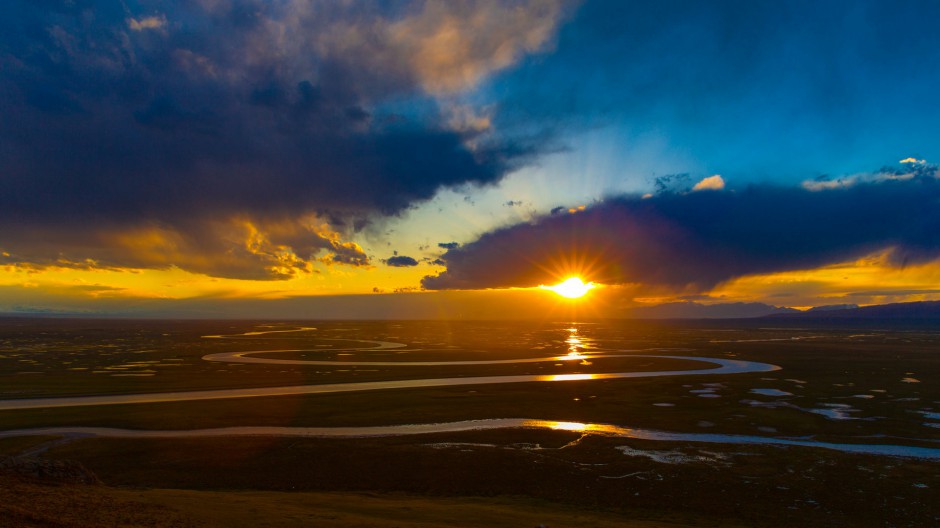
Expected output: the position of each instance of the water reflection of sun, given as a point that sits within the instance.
(575, 345)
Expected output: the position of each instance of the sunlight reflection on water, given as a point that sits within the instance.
(480, 425)
(568, 377)
(725, 366)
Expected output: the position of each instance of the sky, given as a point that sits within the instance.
(421, 159)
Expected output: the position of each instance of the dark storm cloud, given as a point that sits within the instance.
(102, 120)
(187, 112)
(699, 239)
(448, 245)
(401, 261)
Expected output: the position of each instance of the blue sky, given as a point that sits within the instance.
(766, 91)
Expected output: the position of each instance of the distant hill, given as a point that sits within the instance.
(694, 310)
(832, 307)
(909, 310)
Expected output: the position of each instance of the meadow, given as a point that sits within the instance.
(666, 450)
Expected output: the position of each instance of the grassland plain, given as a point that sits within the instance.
(837, 384)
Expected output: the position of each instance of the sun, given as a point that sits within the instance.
(571, 288)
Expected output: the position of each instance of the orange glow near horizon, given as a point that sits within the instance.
(93, 284)
(874, 279)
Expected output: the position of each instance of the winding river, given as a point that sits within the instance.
(615, 431)
(715, 366)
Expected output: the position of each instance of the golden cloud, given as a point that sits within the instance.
(452, 46)
(711, 183)
(152, 22)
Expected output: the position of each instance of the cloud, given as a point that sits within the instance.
(119, 126)
(692, 241)
(469, 120)
(238, 248)
(912, 170)
(895, 293)
(711, 183)
(349, 253)
(92, 288)
(451, 46)
(401, 261)
(145, 23)
(448, 245)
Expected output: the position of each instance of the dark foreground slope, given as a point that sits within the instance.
(26, 503)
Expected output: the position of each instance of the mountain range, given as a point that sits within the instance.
(694, 310)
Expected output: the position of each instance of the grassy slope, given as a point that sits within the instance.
(28, 504)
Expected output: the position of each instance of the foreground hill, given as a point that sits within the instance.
(26, 503)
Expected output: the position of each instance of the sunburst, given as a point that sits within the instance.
(571, 288)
